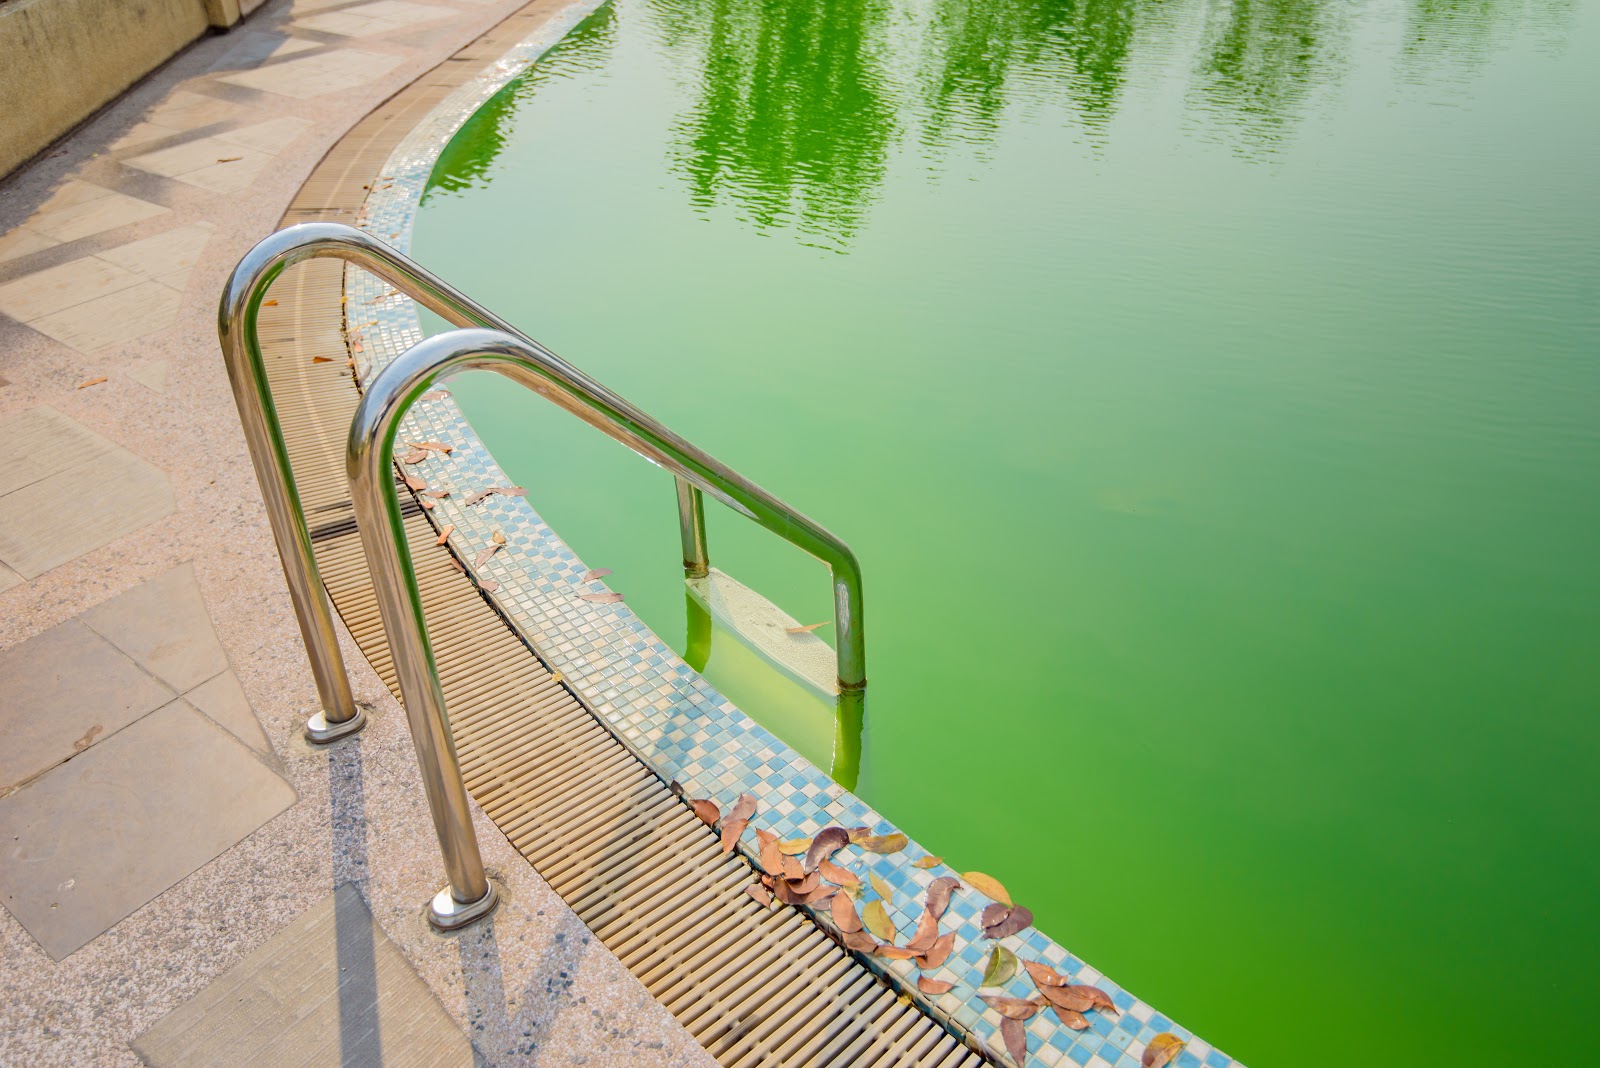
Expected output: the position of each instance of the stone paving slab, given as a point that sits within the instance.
(63, 691)
(72, 512)
(224, 700)
(328, 990)
(49, 441)
(88, 843)
(162, 624)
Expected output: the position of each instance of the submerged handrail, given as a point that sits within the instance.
(696, 472)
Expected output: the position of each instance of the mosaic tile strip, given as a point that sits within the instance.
(644, 692)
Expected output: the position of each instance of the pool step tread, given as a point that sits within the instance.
(754, 986)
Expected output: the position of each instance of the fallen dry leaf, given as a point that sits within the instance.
(444, 533)
(603, 598)
(790, 896)
(230, 159)
(1067, 998)
(86, 383)
(731, 830)
(1002, 966)
(881, 843)
(1016, 919)
(483, 494)
(860, 941)
(894, 952)
(806, 630)
(427, 505)
(988, 886)
(415, 456)
(927, 862)
(806, 883)
(837, 875)
(1044, 976)
(1098, 998)
(322, 359)
(993, 914)
(675, 788)
(877, 920)
(771, 859)
(933, 986)
(1015, 1034)
(498, 538)
(940, 952)
(432, 446)
(596, 572)
(1073, 1019)
(792, 869)
(488, 584)
(939, 892)
(744, 808)
(269, 304)
(883, 889)
(1162, 1049)
(415, 483)
(435, 394)
(759, 892)
(483, 557)
(828, 841)
(1012, 1008)
(437, 495)
(708, 811)
(793, 847)
(927, 934)
(88, 739)
(844, 914)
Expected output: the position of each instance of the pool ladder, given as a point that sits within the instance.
(484, 342)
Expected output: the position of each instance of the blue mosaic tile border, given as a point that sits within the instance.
(644, 692)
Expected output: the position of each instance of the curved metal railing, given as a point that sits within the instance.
(499, 347)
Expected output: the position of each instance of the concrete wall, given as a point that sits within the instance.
(62, 59)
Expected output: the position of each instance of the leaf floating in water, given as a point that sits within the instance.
(413, 482)
(939, 892)
(837, 875)
(927, 862)
(603, 598)
(1012, 1008)
(759, 892)
(1017, 919)
(844, 914)
(883, 889)
(1002, 966)
(859, 941)
(771, 859)
(934, 986)
(1162, 1049)
(988, 886)
(877, 920)
(708, 811)
(806, 630)
(435, 394)
(794, 846)
(828, 841)
(1015, 1034)
(927, 934)
(1043, 975)
(596, 572)
(881, 843)
(940, 952)
(415, 456)
(444, 533)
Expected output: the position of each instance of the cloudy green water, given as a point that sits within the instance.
(1212, 395)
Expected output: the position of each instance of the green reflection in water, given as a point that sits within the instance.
(1209, 392)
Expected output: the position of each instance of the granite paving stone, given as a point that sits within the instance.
(224, 700)
(163, 625)
(72, 512)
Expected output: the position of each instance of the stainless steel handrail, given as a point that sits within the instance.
(696, 472)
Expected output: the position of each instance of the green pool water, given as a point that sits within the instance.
(1212, 395)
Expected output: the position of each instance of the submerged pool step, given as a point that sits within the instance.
(754, 986)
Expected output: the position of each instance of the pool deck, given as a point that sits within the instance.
(148, 650)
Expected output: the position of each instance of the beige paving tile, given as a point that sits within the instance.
(163, 625)
(314, 75)
(224, 700)
(181, 159)
(62, 691)
(9, 578)
(64, 286)
(49, 441)
(72, 512)
(178, 280)
(257, 48)
(88, 843)
(232, 173)
(184, 110)
(344, 23)
(96, 325)
(330, 989)
(270, 137)
(23, 242)
(144, 133)
(72, 192)
(153, 375)
(97, 216)
(174, 251)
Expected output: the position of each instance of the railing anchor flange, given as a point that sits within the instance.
(448, 914)
(319, 731)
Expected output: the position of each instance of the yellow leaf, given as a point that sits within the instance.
(1162, 1049)
(881, 887)
(927, 862)
(794, 846)
(988, 886)
(876, 918)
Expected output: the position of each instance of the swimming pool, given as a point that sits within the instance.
(1209, 392)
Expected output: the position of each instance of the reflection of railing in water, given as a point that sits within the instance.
(378, 512)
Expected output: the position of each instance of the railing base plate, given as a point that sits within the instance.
(320, 732)
(448, 914)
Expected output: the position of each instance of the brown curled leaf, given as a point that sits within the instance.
(881, 843)
(437, 495)
(415, 483)
(927, 862)
(1162, 1049)
(489, 584)
(707, 810)
(806, 630)
(269, 304)
(444, 533)
(744, 808)
(759, 892)
(1015, 1034)
(1043, 975)
(1067, 998)
(792, 869)
(793, 847)
(789, 896)
(675, 788)
(837, 875)
(860, 941)
(927, 934)
(939, 892)
(828, 841)
(844, 914)
(771, 859)
(415, 456)
(432, 446)
(1098, 999)
(483, 557)
(1017, 919)
(993, 914)
(877, 920)
(883, 889)
(435, 394)
(322, 359)
(1012, 1008)
(731, 830)
(935, 987)
(988, 886)
(603, 598)
(596, 572)
(1073, 1019)
(806, 884)
(894, 952)
(427, 505)
(942, 947)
